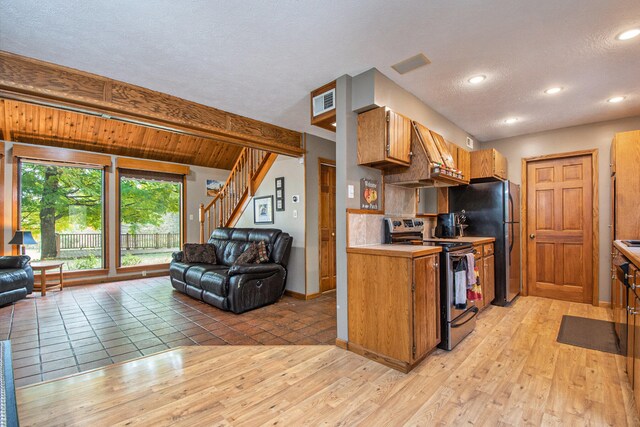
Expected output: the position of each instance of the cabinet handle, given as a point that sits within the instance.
(632, 311)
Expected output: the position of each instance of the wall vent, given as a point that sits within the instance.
(324, 102)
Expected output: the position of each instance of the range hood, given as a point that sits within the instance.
(432, 164)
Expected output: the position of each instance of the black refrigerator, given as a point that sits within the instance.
(493, 210)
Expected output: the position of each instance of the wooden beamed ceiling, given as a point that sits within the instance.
(48, 104)
(35, 124)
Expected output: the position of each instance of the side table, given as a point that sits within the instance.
(43, 267)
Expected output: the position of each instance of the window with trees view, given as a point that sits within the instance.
(150, 217)
(63, 206)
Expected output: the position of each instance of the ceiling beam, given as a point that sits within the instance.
(31, 80)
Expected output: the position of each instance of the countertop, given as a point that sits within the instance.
(472, 240)
(404, 251)
(632, 253)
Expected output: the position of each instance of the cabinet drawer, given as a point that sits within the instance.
(478, 254)
(488, 249)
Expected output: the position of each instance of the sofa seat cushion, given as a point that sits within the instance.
(12, 279)
(178, 269)
(216, 282)
(194, 273)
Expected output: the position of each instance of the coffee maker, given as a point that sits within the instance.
(446, 226)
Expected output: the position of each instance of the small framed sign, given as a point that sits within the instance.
(369, 194)
(280, 194)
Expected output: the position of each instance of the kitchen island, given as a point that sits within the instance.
(394, 299)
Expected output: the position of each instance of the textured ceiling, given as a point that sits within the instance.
(261, 58)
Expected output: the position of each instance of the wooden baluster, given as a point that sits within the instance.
(201, 218)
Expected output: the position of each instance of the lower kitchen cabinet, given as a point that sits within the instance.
(485, 261)
(394, 307)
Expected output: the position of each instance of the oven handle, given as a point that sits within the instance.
(475, 311)
(463, 255)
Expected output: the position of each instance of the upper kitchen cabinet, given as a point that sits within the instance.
(384, 138)
(323, 106)
(488, 164)
(625, 185)
(462, 159)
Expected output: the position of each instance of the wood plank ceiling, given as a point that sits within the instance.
(41, 125)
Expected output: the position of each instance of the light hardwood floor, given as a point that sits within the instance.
(510, 371)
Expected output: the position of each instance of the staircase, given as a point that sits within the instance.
(245, 178)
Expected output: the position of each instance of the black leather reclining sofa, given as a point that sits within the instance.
(16, 278)
(237, 288)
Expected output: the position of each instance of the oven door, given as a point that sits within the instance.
(450, 304)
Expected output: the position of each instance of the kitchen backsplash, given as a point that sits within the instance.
(364, 229)
(399, 201)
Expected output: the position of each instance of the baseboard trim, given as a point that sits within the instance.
(604, 304)
(101, 280)
(300, 296)
(342, 344)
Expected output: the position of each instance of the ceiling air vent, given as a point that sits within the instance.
(324, 102)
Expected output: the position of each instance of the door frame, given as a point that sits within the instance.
(330, 163)
(594, 224)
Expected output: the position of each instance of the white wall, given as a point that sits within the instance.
(195, 194)
(595, 135)
(291, 220)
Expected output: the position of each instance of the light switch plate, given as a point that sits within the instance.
(351, 192)
(470, 143)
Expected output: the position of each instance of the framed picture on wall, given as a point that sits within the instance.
(263, 210)
(280, 194)
(213, 187)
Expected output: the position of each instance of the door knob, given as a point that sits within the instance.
(532, 236)
(333, 234)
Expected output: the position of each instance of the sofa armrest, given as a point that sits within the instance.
(24, 261)
(177, 256)
(254, 269)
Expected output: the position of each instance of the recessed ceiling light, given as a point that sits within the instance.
(629, 34)
(511, 120)
(477, 79)
(553, 90)
(616, 99)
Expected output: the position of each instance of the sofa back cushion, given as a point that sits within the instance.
(232, 242)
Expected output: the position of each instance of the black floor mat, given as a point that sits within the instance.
(588, 333)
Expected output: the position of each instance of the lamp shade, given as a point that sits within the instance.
(22, 238)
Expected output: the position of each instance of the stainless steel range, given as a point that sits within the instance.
(457, 320)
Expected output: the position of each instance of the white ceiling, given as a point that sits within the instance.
(261, 58)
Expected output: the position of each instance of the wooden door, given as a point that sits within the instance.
(426, 303)
(489, 279)
(559, 228)
(399, 138)
(327, 227)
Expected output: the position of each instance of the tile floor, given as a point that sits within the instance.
(86, 327)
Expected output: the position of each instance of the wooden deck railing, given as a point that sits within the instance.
(66, 241)
(246, 175)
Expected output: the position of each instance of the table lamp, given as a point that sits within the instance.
(22, 238)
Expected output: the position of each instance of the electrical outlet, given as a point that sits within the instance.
(351, 191)
(144, 273)
(190, 217)
(295, 213)
(470, 143)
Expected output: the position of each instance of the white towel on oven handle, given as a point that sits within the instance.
(471, 266)
(460, 283)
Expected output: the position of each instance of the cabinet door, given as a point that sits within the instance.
(464, 163)
(426, 305)
(631, 323)
(489, 278)
(480, 265)
(399, 137)
(500, 165)
(636, 356)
